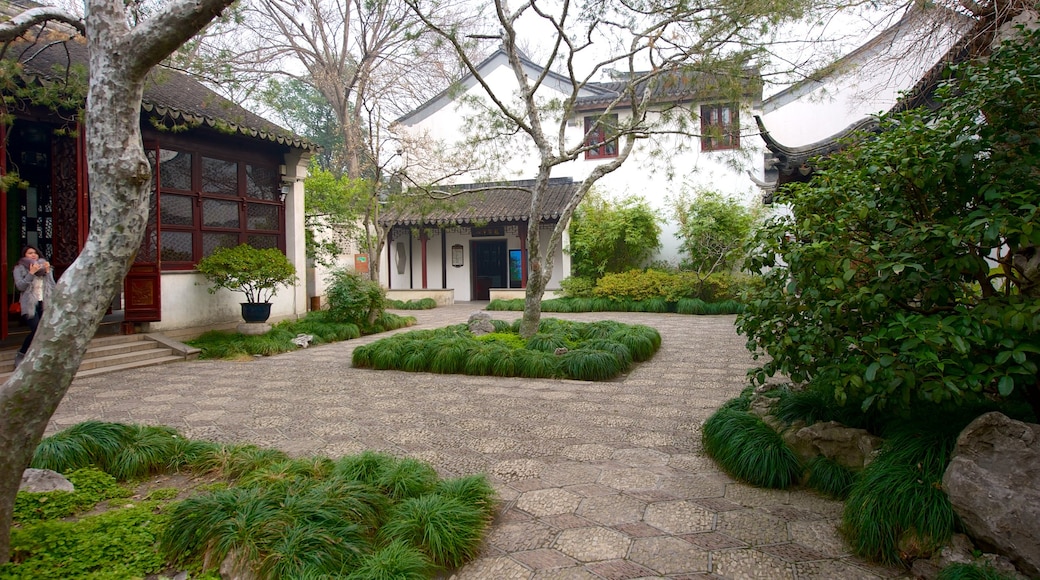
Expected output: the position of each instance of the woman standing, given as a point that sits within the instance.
(34, 279)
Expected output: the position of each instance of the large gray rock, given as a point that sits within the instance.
(41, 480)
(994, 484)
(480, 323)
(852, 448)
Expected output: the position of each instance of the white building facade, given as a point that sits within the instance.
(666, 163)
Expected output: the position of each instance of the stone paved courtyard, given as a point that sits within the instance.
(597, 480)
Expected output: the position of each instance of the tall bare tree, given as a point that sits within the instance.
(120, 55)
(371, 60)
(653, 48)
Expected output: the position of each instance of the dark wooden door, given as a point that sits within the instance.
(490, 268)
(141, 287)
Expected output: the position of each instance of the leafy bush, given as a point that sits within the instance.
(880, 284)
(750, 450)
(577, 287)
(713, 231)
(635, 285)
(608, 236)
(354, 298)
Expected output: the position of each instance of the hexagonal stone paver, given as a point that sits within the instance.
(544, 559)
(620, 570)
(513, 469)
(751, 496)
(593, 544)
(668, 555)
(547, 502)
(640, 456)
(750, 565)
(819, 535)
(521, 536)
(571, 474)
(629, 479)
(499, 567)
(827, 569)
(587, 452)
(612, 510)
(693, 486)
(679, 517)
(573, 573)
(753, 526)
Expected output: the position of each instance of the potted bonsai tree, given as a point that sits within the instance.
(256, 273)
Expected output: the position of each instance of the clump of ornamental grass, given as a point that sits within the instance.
(447, 530)
(546, 342)
(455, 350)
(750, 450)
(84, 444)
(397, 560)
(588, 364)
(897, 509)
(972, 572)
(829, 477)
(365, 516)
(536, 364)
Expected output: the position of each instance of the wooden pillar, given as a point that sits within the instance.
(423, 238)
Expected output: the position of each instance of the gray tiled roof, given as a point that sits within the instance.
(174, 96)
(679, 87)
(477, 203)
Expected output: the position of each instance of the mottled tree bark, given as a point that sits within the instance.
(119, 177)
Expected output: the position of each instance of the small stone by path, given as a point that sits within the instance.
(599, 480)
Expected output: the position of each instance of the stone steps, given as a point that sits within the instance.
(112, 353)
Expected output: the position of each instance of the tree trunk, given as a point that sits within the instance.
(120, 186)
(536, 282)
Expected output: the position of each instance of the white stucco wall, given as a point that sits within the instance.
(659, 169)
(458, 278)
(867, 82)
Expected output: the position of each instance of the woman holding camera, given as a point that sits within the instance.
(34, 279)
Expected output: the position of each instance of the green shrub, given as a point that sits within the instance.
(635, 285)
(515, 304)
(577, 287)
(750, 450)
(354, 298)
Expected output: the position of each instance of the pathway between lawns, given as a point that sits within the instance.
(597, 480)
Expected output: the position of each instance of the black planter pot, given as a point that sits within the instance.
(256, 311)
